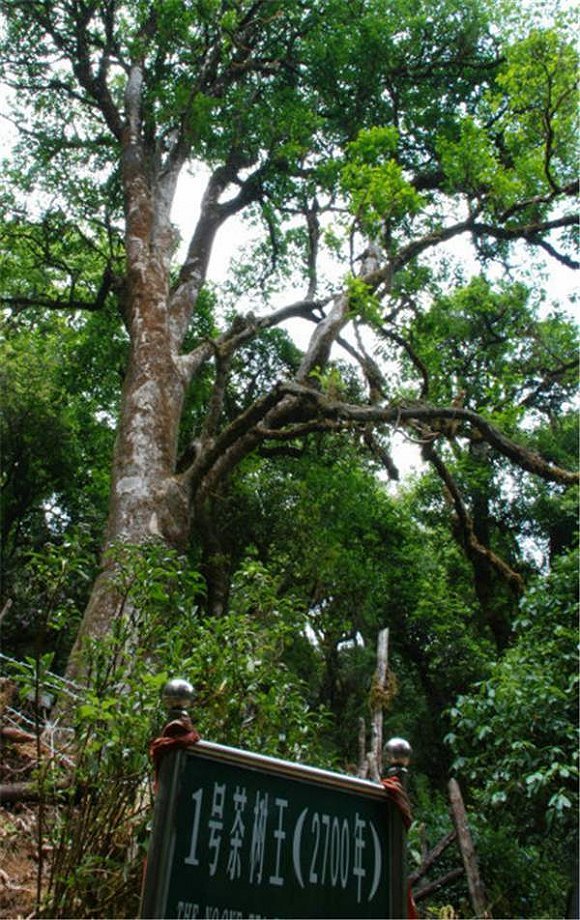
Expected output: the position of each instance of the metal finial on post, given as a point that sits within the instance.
(397, 753)
(177, 695)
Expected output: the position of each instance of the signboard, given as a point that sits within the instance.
(238, 835)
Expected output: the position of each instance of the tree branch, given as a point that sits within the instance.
(323, 338)
(404, 412)
(569, 190)
(313, 229)
(433, 887)
(527, 232)
(223, 361)
(559, 256)
(474, 548)
(242, 330)
(432, 857)
(378, 451)
(242, 427)
(415, 359)
(19, 304)
(551, 377)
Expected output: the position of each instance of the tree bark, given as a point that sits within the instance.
(31, 792)
(147, 499)
(433, 887)
(363, 766)
(432, 856)
(474, 882)
(371, 761)
(379, 687)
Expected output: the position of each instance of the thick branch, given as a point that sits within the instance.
(398, 414)
(472, 545)
(95, 85)
(378, 451)
(242, 427)
(378, 697)
(313, 228)
(303, 309)
(433, 887)
(324, 336)
(194, 269)
(559, 256)
(432, 857)
(18, 304)
(223, 363)
(243, 329)
(531, 233)
(298, 429)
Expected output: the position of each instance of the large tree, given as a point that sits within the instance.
(375, 133)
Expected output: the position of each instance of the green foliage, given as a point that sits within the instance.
(515, 736)
(362, 302)
(432, 821)
(529, 151)
(246, 694)
(473, 164)
(52, 258)
(444, 619)
(330, 381)
(374, 181)
(360, 119)
(532, 763)
(34, 412)
(489, 342)
(334, 537)
(270, 356)
(58, 403)
(539, 78)
(522, 879)
(476, 340)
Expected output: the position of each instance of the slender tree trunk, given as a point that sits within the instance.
(379, 691)
(371, 761)
(475, 884)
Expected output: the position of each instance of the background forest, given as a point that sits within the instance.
(186, 491)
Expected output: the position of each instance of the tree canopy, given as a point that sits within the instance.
(403, 178)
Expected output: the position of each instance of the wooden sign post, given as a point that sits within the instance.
(242, 835)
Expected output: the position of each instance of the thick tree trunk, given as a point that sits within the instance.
(148, 500)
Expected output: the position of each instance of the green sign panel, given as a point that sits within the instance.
(237, 835)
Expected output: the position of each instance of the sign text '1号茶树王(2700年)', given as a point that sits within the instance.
(248, 836)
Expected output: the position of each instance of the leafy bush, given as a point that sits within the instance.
(245, 695)
(515, 740)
